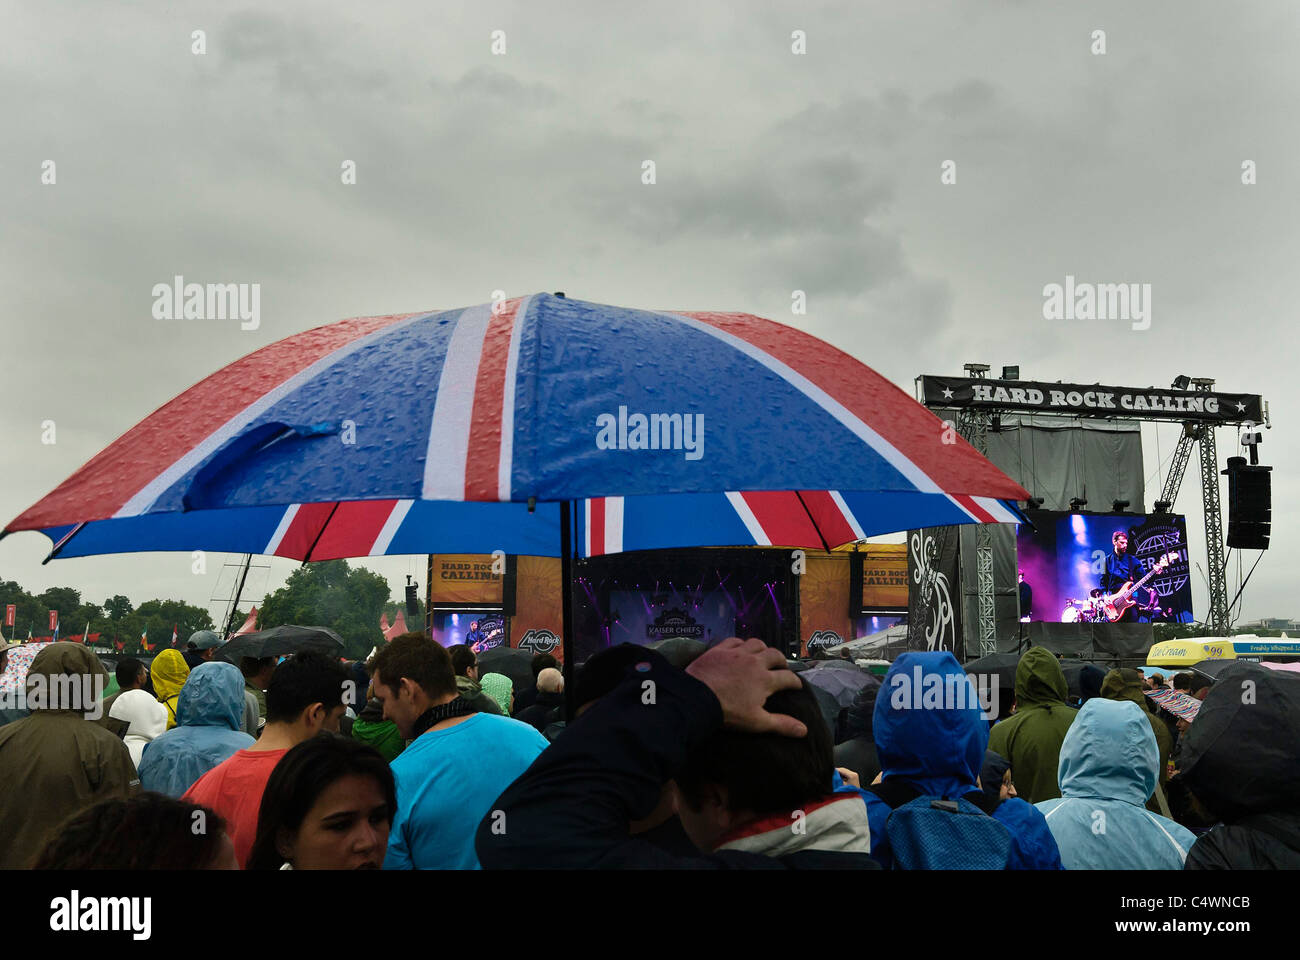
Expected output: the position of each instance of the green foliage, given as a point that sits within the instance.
(114, 620)
(331, 594)
(392, 607)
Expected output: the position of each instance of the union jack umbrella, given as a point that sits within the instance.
(544, 398)
(437, 432)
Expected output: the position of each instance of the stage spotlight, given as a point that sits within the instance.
(1077, 503)
(1181, 383)
(1035, 503)
(1010, 373)
(1119, 506)
(976, 369)
(1162, 506)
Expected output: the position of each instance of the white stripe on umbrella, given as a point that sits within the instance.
(849, 518)
(506, 465)
(151, 491)
(895, 457)
(391, 525)
(999, 511)
(613, 524)
(586, 522)
(747, 517)
(448, 449)
(963, 508)
(286, 522)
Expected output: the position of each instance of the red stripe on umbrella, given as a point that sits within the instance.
(484, 457)
(111, 478)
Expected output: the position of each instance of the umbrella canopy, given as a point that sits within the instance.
(679, 651)
(807, 519)
(1212, 668)
(539, 398)
(17, 664)
(1000, 665)
(841, 680)
(281, 641)
(510, 662)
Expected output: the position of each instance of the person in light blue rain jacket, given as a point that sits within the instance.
(938, 750)
(1109, 764)
(208, 715)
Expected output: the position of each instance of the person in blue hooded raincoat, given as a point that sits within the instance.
(938, 750)
(209, 711)
(1109, 764)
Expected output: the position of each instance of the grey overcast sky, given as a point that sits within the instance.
(521, 172)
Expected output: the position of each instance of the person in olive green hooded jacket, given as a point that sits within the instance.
(1126, 684)
(1032, 738)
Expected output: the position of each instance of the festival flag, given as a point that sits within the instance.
(11, 613)
(120, 645)
(85, 637)
(173, 634)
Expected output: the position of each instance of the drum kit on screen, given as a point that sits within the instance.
(1085, 611)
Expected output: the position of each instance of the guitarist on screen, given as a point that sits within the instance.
(1123, 569)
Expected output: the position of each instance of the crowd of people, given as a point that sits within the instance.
(416, 760)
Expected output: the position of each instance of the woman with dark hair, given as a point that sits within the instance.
(149, 831)
(328, 805)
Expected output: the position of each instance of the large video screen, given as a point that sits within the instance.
(1104, 568)
(643, 617)
(481, 630)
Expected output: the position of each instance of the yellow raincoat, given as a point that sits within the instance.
(170, 672)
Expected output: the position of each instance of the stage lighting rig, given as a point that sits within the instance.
(1119, 506)
(1181, 383)
(1077, 504)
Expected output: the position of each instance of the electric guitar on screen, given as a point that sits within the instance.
(1113, 605)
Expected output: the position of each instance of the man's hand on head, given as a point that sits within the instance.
(742, 674)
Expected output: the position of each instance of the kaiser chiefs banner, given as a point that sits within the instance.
(466, 578)
(1092, 400)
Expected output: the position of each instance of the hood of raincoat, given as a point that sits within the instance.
(1241, 755)
(56, 671)
(1109, 753)
(146, 716)
(928, 726)
(1124, 684)
(1039, 679)
(213, 696)
(858, 715)
(498, 687)
(168, 672)
(991, 774)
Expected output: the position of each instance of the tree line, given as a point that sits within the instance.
(332, 593)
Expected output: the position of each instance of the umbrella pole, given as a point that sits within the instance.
(566, 604)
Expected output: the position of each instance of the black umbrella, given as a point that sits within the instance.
(1000, 665)
(1212, 668)
(679, 651)
(280, 641)
(510, 662)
